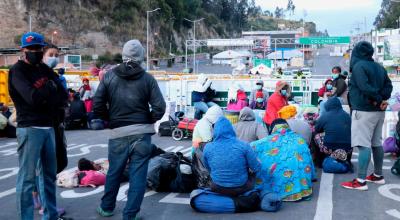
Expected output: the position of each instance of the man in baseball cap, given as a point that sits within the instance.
(38, 95)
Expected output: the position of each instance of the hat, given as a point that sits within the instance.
(259, 94)
(133, 51)
(287, 112)
(85, 80)
(32, 39)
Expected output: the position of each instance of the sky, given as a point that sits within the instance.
(339, 17)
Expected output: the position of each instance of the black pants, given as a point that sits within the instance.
(235, 191)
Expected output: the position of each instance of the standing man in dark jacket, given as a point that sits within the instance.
(130, 99)
(370, 87)
(37, 95)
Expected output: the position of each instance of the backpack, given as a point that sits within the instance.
(164, 174)
(67, 179)
(396, 168)
(200, 172)
(166, 127)
(204, 200)
(91, 178)
(389, 145)
(331, 165)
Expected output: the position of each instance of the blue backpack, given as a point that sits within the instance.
(203, 200)
(331, 165)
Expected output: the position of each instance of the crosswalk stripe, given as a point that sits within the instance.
(169, 148)
(8, 192)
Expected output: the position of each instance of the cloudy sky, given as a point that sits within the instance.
(339, 17)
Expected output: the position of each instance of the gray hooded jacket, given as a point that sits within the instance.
(247, 129)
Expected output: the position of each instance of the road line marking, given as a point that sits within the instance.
(324, 204)
(177, 149)
(12, 171)
(393, 213)
(8, 145)
(186, 150)
(172, 198)
(169, 148)
(188, 154)
(8, 192)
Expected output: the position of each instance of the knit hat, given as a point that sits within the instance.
(259, 94)
(287, 112)
(133, 51)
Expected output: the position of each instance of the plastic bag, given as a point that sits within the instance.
(200, 172)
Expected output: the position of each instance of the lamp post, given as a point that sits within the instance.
(147, 38)
(52, 36)
(194, 41)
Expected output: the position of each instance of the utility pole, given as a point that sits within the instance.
(30, 23)
(147, 38)
(194, 41)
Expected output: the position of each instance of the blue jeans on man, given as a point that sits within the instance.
(36, 152)
(134, 151)
(201, 108)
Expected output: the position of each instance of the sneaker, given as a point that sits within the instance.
(60, 211)
(374, 179)
(103, 213)
(354, 184)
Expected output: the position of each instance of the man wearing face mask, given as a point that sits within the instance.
(37, 94)
(254, 99)
(339, 85)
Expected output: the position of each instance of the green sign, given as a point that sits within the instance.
(324, 40)
(266, 62)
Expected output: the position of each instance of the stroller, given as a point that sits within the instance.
(184, 127)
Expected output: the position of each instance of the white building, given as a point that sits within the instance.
(386, 43)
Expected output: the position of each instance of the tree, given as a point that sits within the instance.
(388, 15)
(279, 12)
(290, 7)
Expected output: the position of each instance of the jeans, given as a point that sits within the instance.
(201, 108)
(36, 151)
(134, 151)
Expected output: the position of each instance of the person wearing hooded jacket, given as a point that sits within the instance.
(336, 124)
(247, 129)
(370, 87)
(229, 161)
(130, 99)
(202, 133)
(278, 100)
(202, 96)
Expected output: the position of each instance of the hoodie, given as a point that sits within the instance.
(336, 124)
(369, 82)
(128, 96)
(276, 102)
(322, 90)
(203, 131)
(247, 129)
(227, 158)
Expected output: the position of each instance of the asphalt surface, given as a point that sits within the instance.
(329, 201)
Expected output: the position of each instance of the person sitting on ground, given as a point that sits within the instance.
(237, 98)
(77, 114)
(232, 163)
(247, 129)
(287, 166)
(202, 132)
(278, 100)
(202, 96)
(326, 90)
(258, 97)
(336, 124)
(298, 126)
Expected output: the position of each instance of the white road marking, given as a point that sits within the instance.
(172, 198)
(393, 213)
(169, 148)
(325, 204)
(86, 150)
(7, 192)
(385, 190)
(70, 194)
(8, 145)
(177, 149)
(12, 171)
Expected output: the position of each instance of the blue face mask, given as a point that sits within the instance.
(335, 76)
(52, 62)
(260, 100)
(329, 87)
(259, 87)
(283, 92)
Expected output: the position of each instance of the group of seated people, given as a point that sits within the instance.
(274, 156)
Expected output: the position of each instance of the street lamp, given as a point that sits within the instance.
(52, 36)
(194, 41)
(147, 38)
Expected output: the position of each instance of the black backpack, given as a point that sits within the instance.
(166, 127)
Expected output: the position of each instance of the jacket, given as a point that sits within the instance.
(275, 102)
(124, 95)
(227, 158)
(322, 90)
(369, 82)
(253, 99)
(247, 129)
(38, 95)
(77, 109)
(339, 87)
(202, 91)
(336, 124)
(202, 133)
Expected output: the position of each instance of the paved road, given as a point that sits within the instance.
(329, 201)
(323, 63)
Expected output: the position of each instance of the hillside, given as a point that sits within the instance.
(100, 25)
